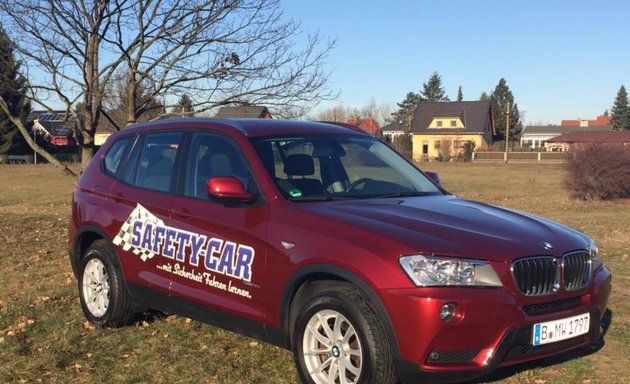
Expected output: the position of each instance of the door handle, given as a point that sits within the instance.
(117, 197)
(182, 213)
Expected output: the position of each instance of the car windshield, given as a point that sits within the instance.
(329, 167)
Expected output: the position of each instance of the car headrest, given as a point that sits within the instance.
(299, 165)
(162, 166)
(220, 165)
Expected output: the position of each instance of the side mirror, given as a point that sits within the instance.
(433, 176)
(228, 190)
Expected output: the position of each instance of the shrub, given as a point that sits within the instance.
(599, 172)
(469, 148)
(403, 144)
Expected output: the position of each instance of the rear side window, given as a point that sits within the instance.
(115, 154)
(152, 164)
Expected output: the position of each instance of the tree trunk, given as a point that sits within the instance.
(131, 100)
(86, 155)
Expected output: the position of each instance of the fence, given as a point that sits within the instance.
(30, 159)
(519, 157)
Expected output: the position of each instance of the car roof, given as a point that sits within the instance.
(250, 127)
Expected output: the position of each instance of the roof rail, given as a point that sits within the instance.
(345, 125)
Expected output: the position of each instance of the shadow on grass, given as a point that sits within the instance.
(148, 316)
(506, 372)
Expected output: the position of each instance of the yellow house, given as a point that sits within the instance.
(441, 130)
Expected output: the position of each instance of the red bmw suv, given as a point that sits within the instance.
(320, 238)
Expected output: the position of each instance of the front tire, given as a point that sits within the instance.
(339, 339)
(102, 292)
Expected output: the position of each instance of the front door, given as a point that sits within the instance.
(221, 255)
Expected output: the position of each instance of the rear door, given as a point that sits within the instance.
(140, 202)
(223, 250)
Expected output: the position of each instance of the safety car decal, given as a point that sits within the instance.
(146, 236)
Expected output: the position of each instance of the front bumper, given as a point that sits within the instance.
(490, 329)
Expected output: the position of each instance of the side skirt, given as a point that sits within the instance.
(149, 298)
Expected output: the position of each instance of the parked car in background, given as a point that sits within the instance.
(321, 239)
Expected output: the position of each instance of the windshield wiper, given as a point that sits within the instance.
(396, 194)
(354, 197)
(322, 198)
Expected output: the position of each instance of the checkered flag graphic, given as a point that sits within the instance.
(123, 238)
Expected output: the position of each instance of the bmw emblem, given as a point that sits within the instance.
(335, 351)
(547, 245)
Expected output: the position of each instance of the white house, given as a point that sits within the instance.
(535, 137)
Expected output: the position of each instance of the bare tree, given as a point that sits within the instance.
(116, 102)
(218, 52)
(445, 149)
(338, 113)
(381, 113)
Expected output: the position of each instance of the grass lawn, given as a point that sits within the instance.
(44, 337)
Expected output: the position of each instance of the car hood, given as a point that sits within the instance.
(449, 226)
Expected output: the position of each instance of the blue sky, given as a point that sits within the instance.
(562, 59)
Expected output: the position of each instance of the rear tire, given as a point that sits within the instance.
(104, 298)
(339, 339)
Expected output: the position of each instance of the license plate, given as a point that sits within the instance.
(556, 330)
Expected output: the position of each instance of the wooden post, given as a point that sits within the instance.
(507, 130)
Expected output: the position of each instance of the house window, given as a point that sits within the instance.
(453, 123)
(439, 123)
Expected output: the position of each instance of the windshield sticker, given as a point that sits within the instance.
(295, 192)
(146, 236)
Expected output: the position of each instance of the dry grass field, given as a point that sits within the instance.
(44, 337)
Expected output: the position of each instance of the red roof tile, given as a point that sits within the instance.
(368, 125)
(600, 120)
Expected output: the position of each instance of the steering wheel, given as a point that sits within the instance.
(356, 183)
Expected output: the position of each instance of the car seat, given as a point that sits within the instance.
(303, 165)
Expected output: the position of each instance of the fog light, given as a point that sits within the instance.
(447, 311)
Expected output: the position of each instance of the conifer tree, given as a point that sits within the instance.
(620, 113)
(433, 89)
(499, 101)
(12, 89)
(407, 108)
(184, 106)
(460, 95)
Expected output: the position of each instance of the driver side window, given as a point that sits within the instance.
(211, 156)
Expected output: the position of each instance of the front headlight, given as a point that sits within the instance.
(437, 271)
(593, 252)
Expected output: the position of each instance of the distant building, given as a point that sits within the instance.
(393, 129)
(600, 121)
(54, 126)
(244, 112)
(103, 131)
(565, 141)
(535, 137)
(442, 129)
(368, 125)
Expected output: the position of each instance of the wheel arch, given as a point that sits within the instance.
(85, 237)
(299, 287)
